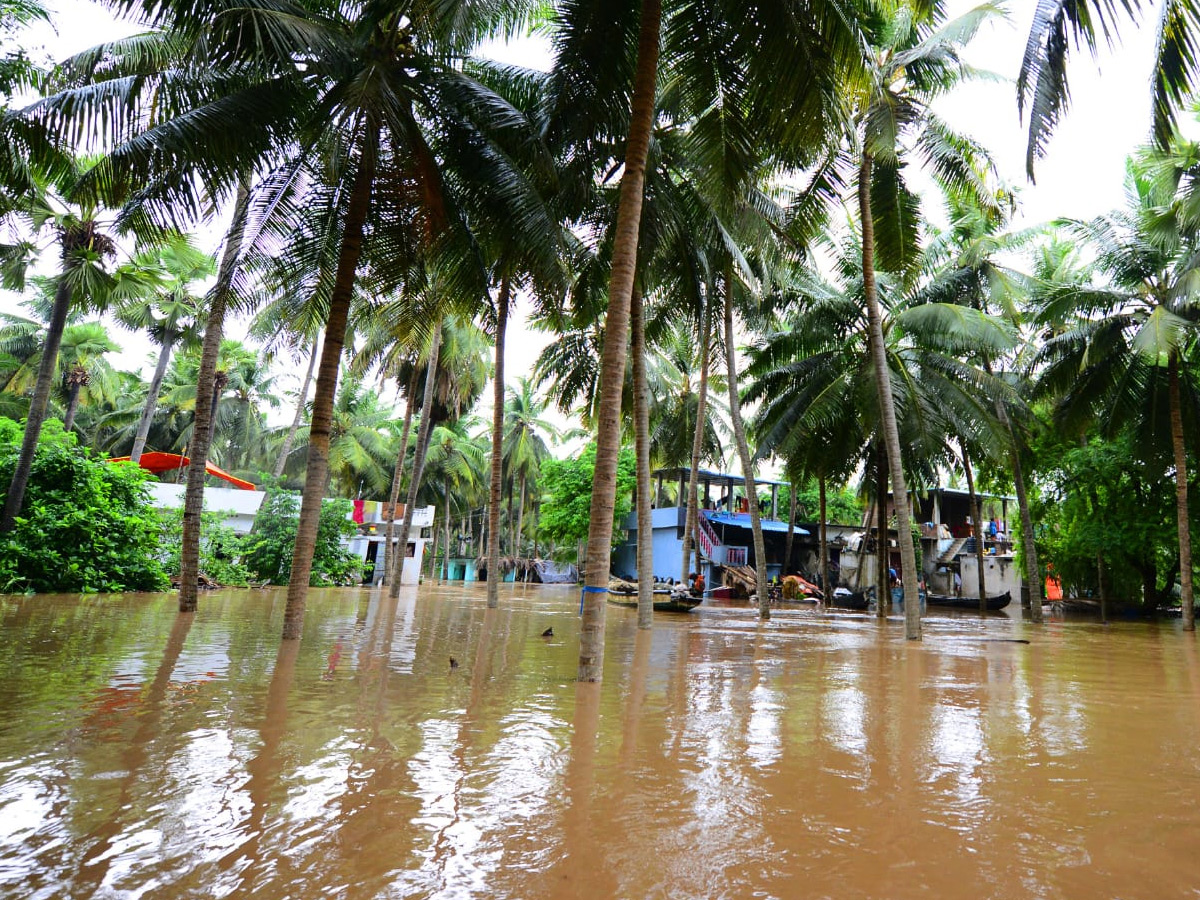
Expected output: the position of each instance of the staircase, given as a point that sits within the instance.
(707, 538)
(952, 551)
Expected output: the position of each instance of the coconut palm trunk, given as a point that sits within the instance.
(147, 419)
(1033, 572)
(446, 551)
(743, 448)
(691, 520)
(497, 482)
(826, 587)
(398, 477)
(327, 376)
(285, 448)
(1032, 568)
(887, 408)
(38, 404)
(791, 535)
(1186, 596)
(520, 517)
(414, 481)
(202, 427)
(612, 368)
(883, 551)
(978, 530)
(641, 440)
(77, 378)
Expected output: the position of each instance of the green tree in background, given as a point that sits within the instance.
(566, 502)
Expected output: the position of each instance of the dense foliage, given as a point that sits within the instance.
(87, 524)
(221, 548)
(267, 551)
(566, 505)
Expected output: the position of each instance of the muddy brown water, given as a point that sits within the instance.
(145, 754)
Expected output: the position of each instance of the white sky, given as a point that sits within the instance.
(1081, 177)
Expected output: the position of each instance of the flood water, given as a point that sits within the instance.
(145, 754)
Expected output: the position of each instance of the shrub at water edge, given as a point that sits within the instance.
(86, 526)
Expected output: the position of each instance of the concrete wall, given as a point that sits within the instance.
(239, 507)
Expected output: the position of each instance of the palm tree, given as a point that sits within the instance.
(524, 447)
(1042, 86)
(84, 249)
(369, 96)
(813, 379)
(1122, 354)
(170, 313)
(362, 442)
(911, 61)
(86, 375)
(455, 464)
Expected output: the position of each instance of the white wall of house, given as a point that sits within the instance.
(239, 507)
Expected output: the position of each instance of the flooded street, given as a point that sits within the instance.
(145, 754)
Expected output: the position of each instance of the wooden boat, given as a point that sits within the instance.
(998, 602)
(664, 601)
(855, 600)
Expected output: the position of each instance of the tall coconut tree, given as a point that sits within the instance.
(1058, 26)
(1123, 349)
(524, 446)
(84, 251)
(913, 57)
(769, 48)
(341, 104)
(168, 311)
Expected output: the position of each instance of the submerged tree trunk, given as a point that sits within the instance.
(826, 588)
(891, 432)
(445, 575)
(497, 482)
(389, 552)
(978, 530)
(1029, 548)
(414, 481)
(147, 419)
(691, 521)
(641, 440)
(202, 426)
(883, 550)
(743, 447)
(1102, 586)
(39, 403)
(791, 535)
(285, 448)
(520, 517)
(612, 368)
(321, 424)
(1186, 595)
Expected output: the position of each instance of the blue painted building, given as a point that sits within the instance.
(725, 535)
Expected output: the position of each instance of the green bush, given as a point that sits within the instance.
(267, 552)
(221, 548)
(87, 525)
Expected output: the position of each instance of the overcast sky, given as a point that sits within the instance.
(1081, 177)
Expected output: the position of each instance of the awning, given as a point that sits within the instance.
(168, 462)
(742, 520)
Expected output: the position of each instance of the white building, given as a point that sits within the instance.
(239, 507)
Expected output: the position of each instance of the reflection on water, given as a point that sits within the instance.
(145, 754)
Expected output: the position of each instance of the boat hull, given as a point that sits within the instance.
(993, 603)
(661, 604)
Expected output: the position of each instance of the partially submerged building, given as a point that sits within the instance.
(725, 538)
(726, 543)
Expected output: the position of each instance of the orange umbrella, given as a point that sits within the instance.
(166, 462)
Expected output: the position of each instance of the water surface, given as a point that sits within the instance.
(144, 754)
